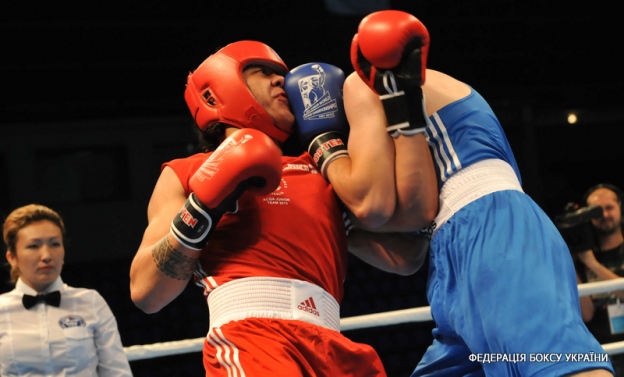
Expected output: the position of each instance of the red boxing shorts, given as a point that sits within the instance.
(281, 327)
(257, 347)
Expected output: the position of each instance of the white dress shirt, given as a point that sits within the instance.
(79, 338)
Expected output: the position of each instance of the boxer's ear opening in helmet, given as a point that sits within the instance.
(209, 98)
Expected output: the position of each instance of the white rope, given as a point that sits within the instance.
(386, 318)
(422, 314)
(150, 351)
(601, 287)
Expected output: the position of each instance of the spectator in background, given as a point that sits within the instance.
(48, 328)
(602, 311)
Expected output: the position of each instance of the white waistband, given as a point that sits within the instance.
(266, 297)
(473, 182)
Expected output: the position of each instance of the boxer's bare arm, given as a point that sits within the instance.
(416, 183)
(441, 89)
(399, 253)
(161, 267)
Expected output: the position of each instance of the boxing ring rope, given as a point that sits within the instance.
(422, 314)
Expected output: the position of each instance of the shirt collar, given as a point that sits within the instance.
(21, 287)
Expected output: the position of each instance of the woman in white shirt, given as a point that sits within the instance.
(48, 328)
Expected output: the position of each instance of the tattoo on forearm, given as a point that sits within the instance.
(172, 262)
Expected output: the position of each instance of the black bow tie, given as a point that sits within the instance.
(52, 298)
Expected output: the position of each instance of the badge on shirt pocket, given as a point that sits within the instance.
(71, 321)
(616, 317)
(79, 343)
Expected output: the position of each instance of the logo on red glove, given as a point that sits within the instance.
(211, 166)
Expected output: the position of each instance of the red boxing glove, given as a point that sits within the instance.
(248, 160)
(386, 36)
(389, 53)
(248, 156)
(391, 40)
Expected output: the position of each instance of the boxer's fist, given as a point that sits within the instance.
(247, 157)
(248, 160)
(314, 92)
(389, 53)
(393, 41)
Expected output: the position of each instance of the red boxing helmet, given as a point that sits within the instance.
(217, 92)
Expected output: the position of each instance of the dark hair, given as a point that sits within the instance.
(210, 139)
(22, 217)
(608, 186)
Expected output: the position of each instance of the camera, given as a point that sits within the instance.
(576, 228)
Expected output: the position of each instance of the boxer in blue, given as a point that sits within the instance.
(502, 287)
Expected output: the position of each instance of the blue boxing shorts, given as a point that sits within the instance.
(504, 296)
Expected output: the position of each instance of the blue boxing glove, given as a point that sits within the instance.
(314, 92)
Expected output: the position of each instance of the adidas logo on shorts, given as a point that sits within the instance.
(309, 306)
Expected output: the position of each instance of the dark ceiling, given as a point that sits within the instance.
(68, 60)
